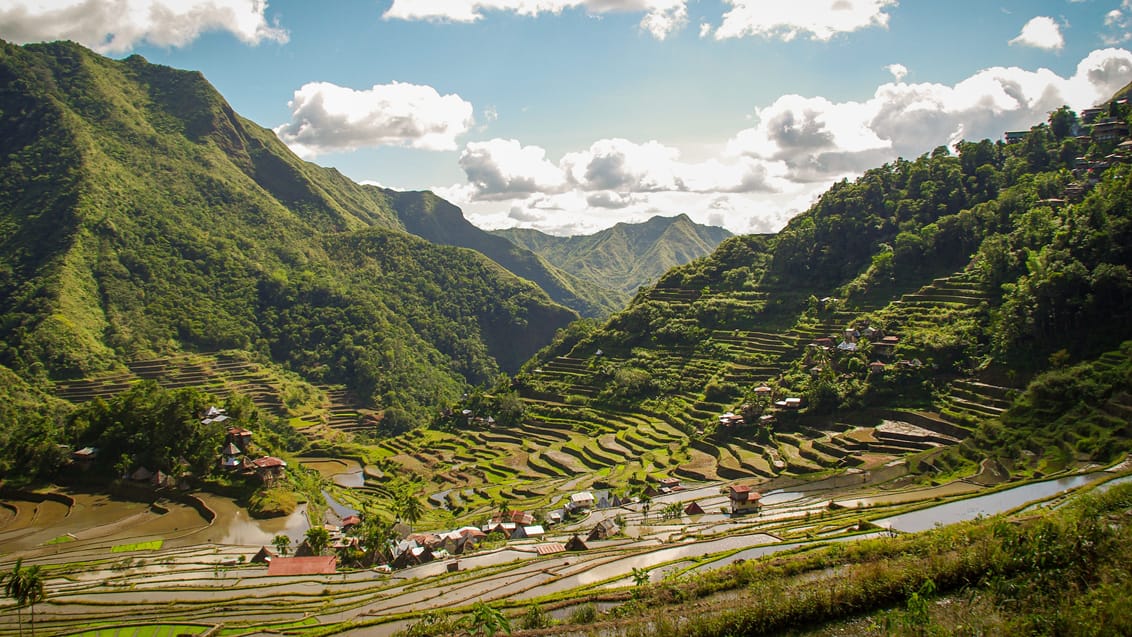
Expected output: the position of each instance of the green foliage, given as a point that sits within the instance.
(534, 617)
(152, 427)
(318, 538)
(31, 431)
(487, 620)
(583, 614)
(1070, 408)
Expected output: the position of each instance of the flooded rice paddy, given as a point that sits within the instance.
(196, 572)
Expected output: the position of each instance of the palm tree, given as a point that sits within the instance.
(25, 586)
(318, 538)
(33, 592)
(411, 509)
(14, 588)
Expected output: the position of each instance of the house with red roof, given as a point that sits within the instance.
(744, 499)
(314, 565)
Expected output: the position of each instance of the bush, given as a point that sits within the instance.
(584, 614)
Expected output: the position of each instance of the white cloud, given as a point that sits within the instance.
(898, 71)
(1041, 32)
(768, 172)
(1118, 23)
(503, 168)
(820, 19)
(116, 26)
(661, 18)
(326, 118)
(821, 140)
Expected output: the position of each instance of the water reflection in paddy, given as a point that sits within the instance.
(989, 504)
(343, 472)
(233, 525)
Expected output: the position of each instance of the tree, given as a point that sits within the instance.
(25, 586)
(410, 509)
(487, 620)
(1062, 122)
(318, 538)
(282, 543)
(375, 535)
(641, 576)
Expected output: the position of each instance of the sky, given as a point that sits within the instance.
(572, 115)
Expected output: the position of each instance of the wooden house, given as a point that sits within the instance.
(575, 543)
(603, 530)
(269, 469)
(744, 499)
(264, 556)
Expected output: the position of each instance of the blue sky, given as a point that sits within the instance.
(572, 115)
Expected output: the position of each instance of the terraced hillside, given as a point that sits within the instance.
(313, 409)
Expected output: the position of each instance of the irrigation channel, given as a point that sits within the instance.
(115, 562)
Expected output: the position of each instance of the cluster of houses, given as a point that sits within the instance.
(1095, 125)
(236, 455)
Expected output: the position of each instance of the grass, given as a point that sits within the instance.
(62, 539)
(157, 630)
(153, 545)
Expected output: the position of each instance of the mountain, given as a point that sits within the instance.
(626, 256)
(428, 216)
(984, 293)
(142, 215)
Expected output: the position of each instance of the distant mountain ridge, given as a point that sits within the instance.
(626, 256)
(428, 216)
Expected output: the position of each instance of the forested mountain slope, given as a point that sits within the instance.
(140, 215)
(626, 256)
(940, 287)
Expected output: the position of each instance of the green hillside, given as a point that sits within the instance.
(985, 269)
(626, 256)
(142, 216)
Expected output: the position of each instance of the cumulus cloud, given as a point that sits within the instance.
(503, 168)
(818, 139)
(116, 26)
(1042, 33)
(326, 118)
(898, 71)
(661, 18)
(764, 174)
(608, 173)
(820, 19)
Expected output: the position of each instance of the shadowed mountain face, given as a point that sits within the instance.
(141, 215)
(626, 256)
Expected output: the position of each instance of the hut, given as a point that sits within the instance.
(575, 543)
(693, 508)
(603, 530)
(264, 556)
